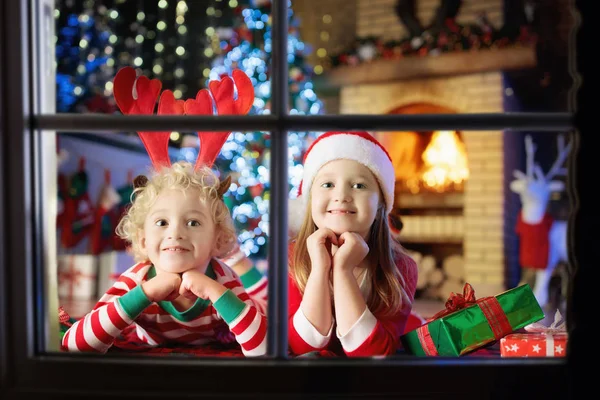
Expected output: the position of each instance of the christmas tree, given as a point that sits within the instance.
(245, 155)
(96, 39)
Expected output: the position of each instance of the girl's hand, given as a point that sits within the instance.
(351, 251)
(319, 248)
(195, 284)
(164, 286)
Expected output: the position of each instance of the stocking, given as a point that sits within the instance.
(105, 217)
(78, 215)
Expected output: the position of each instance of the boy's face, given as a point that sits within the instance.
(345, 197)
(179, 232)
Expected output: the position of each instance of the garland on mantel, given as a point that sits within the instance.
(443, 35)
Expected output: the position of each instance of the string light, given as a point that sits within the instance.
(158, 68)
(181, 9)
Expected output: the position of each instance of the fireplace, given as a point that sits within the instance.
(470, 226)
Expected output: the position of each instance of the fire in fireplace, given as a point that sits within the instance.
(429, 161)
(445, 162)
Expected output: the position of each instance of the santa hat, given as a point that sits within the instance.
(357, 146)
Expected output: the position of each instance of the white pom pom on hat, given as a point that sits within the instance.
(361, 147)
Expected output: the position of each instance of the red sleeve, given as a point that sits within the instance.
(296, 344)
(385, 338)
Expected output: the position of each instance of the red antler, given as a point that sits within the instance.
(245, 97)
(223, 95)
(138, 95)
(146, 94)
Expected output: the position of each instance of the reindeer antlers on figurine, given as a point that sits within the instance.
(533, 186)
(138, 95)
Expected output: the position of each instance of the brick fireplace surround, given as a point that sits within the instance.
(489, 207)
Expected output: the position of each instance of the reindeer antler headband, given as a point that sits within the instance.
(138, 95)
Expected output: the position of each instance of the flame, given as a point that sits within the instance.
(445, 161)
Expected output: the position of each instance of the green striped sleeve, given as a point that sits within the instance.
(134, 302)
(229, 306)
(250, 278)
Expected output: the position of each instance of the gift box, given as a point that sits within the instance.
(77, 277)
(539, 341)
(467, 323)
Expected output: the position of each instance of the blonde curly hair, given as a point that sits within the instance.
(181, 175)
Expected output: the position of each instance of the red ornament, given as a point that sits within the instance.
(256, 190)
(253, 223)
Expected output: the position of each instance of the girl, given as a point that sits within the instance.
(345, 271)
(178, 292)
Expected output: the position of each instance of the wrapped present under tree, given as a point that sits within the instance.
(539, 341)
(77, 276)
(467, 324)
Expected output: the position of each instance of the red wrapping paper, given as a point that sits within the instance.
(533, 345)
(539, 341)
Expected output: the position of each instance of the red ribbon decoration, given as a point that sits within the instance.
(72, 277)
(63, 317)
(490, 307)
(457, 301)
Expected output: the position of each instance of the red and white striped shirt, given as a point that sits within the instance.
(160, 323)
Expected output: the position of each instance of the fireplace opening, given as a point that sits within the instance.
(431, 169)
(430, 161)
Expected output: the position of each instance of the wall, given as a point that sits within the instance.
(334, 36)
(379, 18)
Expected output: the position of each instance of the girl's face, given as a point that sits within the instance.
(179, 232)
(345, 197)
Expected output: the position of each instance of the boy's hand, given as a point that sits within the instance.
(164, 286)
(195, 284)
(352, 250)
(319, 249)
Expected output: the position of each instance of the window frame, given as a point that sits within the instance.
(25, 370)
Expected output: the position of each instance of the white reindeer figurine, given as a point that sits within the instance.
(534, 189)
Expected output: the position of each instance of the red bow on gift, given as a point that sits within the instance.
(457, 301)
